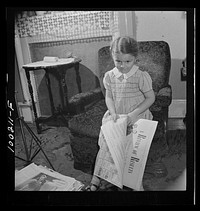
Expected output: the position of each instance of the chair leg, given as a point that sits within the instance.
(165, 120)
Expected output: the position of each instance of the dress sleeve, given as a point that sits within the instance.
(106, 81)
(145, 82)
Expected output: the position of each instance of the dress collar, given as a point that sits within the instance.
(133, 70)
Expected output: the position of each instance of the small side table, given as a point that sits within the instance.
(60, 68)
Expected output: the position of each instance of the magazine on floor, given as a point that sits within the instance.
(129, 153)
(38, 178)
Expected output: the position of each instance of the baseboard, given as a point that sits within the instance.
(177, 109)
(25, 111)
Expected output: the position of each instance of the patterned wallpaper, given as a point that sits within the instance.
(67, 25)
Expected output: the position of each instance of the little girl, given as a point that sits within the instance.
(128, 91)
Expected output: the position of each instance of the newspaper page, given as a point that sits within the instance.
(115, 136)
(105, 167)
(130, 152)
(39, 178)
(137, 150)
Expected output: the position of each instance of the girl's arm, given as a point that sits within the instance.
(149, 100)
(111, 105)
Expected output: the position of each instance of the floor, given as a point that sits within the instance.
(59, 150)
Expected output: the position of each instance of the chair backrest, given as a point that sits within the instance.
(153, 57)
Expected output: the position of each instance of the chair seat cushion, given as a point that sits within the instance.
(85, 98)
(89, 123)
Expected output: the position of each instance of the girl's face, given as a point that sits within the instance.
(123, 62)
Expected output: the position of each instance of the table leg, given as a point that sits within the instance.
(33, 102)
(64, 88)
(48, 83)
(78, 78)
(61, 92)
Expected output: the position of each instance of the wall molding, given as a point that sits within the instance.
(26, 112)
(177, 109)
(66, 26)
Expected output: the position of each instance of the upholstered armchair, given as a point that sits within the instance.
(154, 57)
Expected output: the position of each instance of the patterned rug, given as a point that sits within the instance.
(159, 174)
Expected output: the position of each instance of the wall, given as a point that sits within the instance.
(86, 32)
(87, 51)
(18, 85)
(169, 26)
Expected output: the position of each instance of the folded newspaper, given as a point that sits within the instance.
(39, 178)
(129, 153)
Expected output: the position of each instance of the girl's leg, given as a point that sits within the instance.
(141, 188)
(94, 184)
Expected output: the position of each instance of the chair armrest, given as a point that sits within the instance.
(86, 98)
(159, 108)
(164, 97)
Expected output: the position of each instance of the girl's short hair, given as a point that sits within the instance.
(125, 45)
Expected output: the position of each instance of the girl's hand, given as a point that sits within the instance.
(114, 117)
(132, 118)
